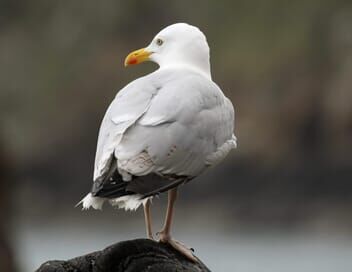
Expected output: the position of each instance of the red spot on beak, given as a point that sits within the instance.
(132, 60)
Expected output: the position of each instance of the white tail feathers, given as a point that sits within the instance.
(128, 202)
(91, 201)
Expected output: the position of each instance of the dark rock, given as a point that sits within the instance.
(129, 256)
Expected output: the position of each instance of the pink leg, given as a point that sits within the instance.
(165, 233)
(148, 220)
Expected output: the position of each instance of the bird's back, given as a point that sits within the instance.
(186, 119)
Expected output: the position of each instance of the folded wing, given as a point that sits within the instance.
(173, 130)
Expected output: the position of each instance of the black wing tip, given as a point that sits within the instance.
(112, 185)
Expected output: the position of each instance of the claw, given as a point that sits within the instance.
(184, 250)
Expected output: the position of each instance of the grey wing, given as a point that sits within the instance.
(170, 139)
(188, 124)
(129, 105)
(110, 181)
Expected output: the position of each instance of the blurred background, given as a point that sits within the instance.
(281, 202)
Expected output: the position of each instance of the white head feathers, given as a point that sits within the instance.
(181, 45)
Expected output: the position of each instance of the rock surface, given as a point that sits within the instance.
(129, 256)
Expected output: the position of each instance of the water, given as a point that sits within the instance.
(221, 251)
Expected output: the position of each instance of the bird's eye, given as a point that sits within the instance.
(159, 42)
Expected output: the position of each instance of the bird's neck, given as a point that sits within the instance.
(203, 68)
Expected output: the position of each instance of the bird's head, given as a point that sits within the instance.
(175, 45)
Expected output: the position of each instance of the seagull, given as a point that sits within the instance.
(162, 130)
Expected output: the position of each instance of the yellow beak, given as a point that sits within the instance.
(137, 57)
